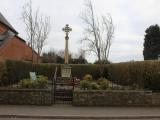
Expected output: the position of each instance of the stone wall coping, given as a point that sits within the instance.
(86, 91)
(24, 90)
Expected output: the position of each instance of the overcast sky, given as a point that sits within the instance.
(130, 17)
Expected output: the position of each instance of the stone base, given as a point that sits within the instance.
(66, 70)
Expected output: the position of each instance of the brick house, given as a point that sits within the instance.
(11, 45)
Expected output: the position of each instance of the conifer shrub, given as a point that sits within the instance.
(88, 77)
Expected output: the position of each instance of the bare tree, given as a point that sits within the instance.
(37, 28)
(30, 20)
(98, 34)
(42, 32)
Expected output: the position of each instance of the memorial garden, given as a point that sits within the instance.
(31, 82)
(130, 83)
(112, 84)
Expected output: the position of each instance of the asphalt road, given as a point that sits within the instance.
(68, 110)
(69, 119)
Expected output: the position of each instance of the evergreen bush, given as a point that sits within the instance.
(84, 84)
(40, 83)
(94, 86)
(88, 77)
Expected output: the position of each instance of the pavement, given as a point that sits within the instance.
(68, 112)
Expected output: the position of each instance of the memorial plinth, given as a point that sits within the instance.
(66, 70)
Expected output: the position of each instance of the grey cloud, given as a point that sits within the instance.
(131, 18)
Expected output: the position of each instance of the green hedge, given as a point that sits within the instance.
(3, 74)
(17, 70)
(82, 69)
(146, 74)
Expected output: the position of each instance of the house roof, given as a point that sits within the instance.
(9, 33)
(5, 36)
(20, 38)
(4, 21)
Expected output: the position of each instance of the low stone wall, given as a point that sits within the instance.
(156, 99)
(26, 96)
(112, 98)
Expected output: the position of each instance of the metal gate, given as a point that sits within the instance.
(63, 90)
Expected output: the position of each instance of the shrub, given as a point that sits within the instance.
(94, 86)
(104, 85)
(100, 80)
(42, 82)
(39, 83)
(84, 84)
(87, 77)
(41, 77)
(26, 83)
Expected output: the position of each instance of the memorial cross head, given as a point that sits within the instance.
(67, 29)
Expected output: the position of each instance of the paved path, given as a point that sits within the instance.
(68, 110)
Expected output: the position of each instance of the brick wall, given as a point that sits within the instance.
(16, 49)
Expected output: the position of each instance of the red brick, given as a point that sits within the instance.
(15, 49)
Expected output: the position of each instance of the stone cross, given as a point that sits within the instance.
(66, 29)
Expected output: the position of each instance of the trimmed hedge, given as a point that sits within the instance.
(18, 70)
(3, 74)
(145, 74)
(80, 70)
